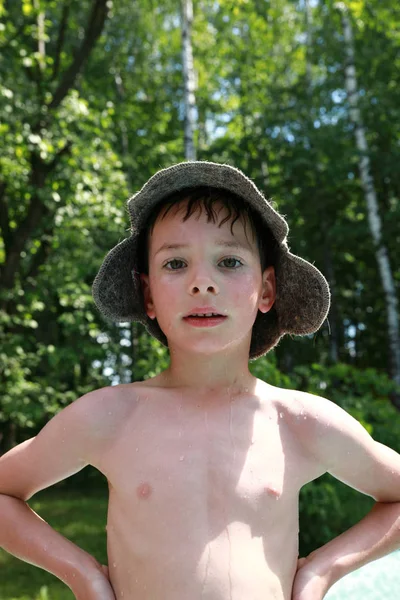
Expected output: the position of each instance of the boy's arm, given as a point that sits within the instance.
(63, 447)
(348, 452)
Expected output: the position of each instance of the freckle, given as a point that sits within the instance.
(144, 490)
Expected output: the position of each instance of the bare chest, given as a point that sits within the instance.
(235, 458)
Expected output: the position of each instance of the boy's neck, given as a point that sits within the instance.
(201, 374)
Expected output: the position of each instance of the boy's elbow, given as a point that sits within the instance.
(7, 498)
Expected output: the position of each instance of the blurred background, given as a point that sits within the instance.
(95, 97)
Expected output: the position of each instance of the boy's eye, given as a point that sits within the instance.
(232, 258)
(224, 260)
(174, 260)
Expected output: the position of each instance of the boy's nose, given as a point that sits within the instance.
(202, 282)
(200, 289)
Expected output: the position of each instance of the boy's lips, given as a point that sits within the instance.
(205, 321)
(203, 310)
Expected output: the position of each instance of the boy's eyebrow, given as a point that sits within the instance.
(221, 243)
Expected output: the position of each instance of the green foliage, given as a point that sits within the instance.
(265, 368)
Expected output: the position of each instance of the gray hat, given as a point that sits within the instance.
(302, 295)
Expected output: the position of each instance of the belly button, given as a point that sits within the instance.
(144, 490)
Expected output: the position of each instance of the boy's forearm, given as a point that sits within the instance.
(376, 535)
(27, 536)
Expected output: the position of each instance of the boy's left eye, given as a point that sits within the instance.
(233, 259)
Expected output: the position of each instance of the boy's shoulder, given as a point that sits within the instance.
(316, 422)
(296, 406)
(105, 407)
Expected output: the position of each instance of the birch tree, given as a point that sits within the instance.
(188, 79)
(328, 261)
(374, 218)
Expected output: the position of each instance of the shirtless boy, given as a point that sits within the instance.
(204, 462)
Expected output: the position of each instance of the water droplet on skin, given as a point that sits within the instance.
(181, 458)
(110, 413)
(73, 575)
(114, 564)
(137, 449)
(281, 415)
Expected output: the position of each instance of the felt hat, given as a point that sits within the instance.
(302, 292)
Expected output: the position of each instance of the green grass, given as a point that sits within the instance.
(78, 515)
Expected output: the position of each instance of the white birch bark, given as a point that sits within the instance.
(308, 15)
(40, 35)
(188, 79)
(374, 219)
(328, 263)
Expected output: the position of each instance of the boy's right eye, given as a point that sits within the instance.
(174, 260)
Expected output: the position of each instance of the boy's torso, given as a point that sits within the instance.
(203, 494)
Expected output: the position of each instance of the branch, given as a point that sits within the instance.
(48, 167)
(41, 255)
(92, 33)
(4, 218)
(61, 38)
(36, 211)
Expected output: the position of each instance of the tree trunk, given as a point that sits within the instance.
(328, 262)
(188, 79)
(374, 219)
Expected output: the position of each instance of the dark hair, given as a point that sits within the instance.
(206, 197)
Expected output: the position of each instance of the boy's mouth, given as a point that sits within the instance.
(204, 315)
(204, 312)
(204, 320)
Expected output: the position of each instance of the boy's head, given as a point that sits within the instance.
(204, 270)
(302, 293)
(208, 199)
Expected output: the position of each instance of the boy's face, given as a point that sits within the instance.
(205, 273)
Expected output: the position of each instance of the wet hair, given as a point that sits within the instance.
(206, 197)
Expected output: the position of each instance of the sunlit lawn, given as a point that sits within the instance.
(78, 515)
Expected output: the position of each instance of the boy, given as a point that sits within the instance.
(204, 462)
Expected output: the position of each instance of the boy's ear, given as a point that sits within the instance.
(268, 290)
(148, 301)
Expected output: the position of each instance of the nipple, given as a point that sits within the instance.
(144, 490)
(273, 491)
